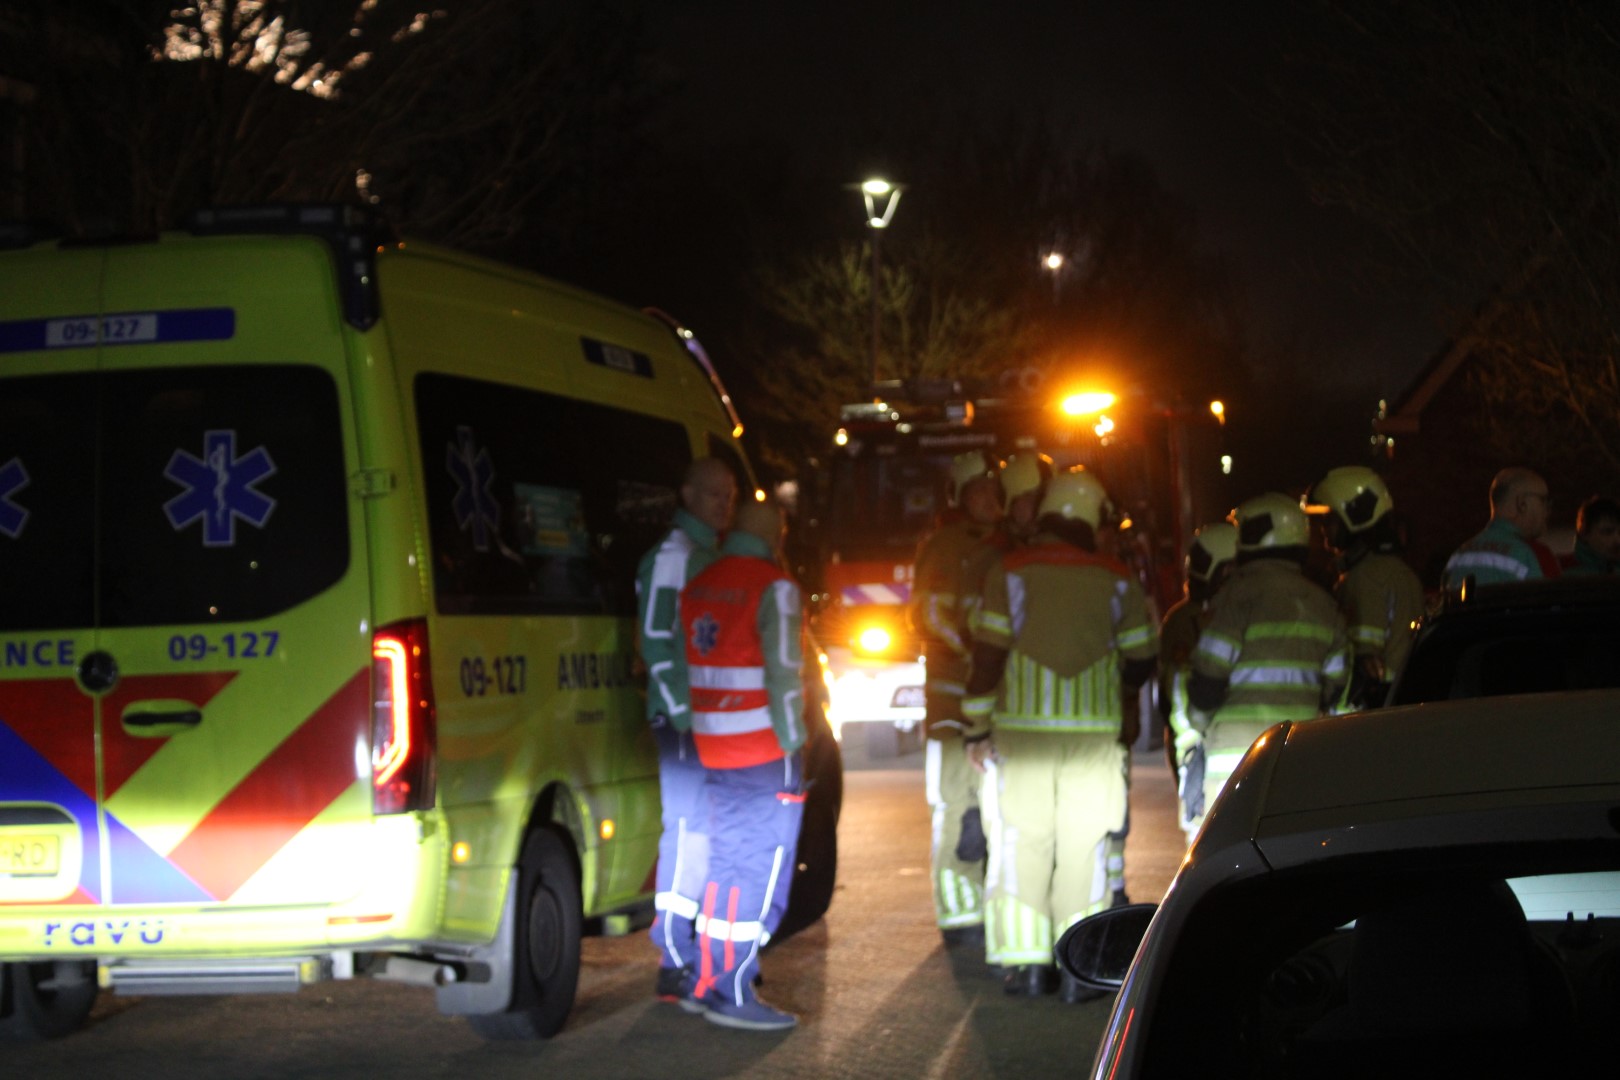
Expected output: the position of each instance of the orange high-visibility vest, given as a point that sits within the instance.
(731, 715)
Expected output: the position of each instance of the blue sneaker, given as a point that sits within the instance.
(676, 986)
(750, 1016)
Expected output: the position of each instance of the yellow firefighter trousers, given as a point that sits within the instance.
(1050, 799)
(953, 788)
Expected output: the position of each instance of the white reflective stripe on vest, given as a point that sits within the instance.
(1464, 561)
(727, 678)
(1275, 675)
(684, 906)
(731, 723)
(721, 930)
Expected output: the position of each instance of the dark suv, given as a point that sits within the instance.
(1516, 639)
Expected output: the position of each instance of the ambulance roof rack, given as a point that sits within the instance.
(353, 233)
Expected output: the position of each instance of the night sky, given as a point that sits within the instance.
(1171, 82)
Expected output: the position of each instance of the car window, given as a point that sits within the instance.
(1423, 968)
(539, 504)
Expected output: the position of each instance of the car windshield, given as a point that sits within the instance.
(1397, 966)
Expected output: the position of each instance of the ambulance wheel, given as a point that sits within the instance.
(45, 1000)
(545, 960)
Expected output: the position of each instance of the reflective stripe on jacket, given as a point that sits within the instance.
(1277, 641)
(740, 623)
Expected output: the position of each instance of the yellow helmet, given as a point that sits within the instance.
(1076, 495)
(1355, 494)
(968, 467)
(1023, 473)
(1213, 546)
(1268, 521)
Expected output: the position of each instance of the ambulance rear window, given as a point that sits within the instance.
(47, 514)
(539, 504)
(168, 496)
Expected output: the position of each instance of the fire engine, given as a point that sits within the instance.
(884, 484)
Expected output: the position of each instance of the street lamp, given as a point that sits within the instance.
(1052, 262)
(881, 198)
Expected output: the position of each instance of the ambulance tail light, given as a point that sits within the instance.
(403, 727)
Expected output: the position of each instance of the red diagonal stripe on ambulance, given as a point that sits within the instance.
(122, 754)
(300, 778)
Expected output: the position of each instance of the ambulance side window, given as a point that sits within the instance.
(539, 504)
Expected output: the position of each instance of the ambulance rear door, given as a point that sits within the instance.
(195, 422)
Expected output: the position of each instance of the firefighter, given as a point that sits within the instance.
(1062, 646)
(708, 495)
(741, 623)
(938, 616)
(1274, 648)
(1379, 594)
(1023, 482)
(1209, 560)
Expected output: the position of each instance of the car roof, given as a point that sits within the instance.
(1582, 591)
(1415, 775)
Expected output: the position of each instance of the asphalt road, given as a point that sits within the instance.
(877, 993)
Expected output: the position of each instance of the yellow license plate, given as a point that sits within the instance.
(22, 855)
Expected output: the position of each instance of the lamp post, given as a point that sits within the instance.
(876, 191)
(1052, 261)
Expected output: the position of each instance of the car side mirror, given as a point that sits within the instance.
(1098, 950)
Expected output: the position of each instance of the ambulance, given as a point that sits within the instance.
(317, 557)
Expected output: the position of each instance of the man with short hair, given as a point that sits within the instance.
(708, 493)
(1505, 550)
(1597, 538)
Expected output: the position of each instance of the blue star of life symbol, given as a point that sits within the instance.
(705, 632)
(474, 473)
(219, 488)
(13, 478)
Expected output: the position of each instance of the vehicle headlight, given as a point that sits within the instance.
(874, 639)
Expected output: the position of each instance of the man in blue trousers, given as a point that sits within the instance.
(708, 494)
(740, 620)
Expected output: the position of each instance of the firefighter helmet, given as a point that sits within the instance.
(1355, 494)
(1023, 473)
(1269, 521)
(966, 468)
(1213, 546)
(1077, 495)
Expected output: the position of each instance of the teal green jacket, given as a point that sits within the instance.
(1498, 554)
(664, 571)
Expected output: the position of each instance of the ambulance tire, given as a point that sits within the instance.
(545, 956)
(45, 1000)
(815, 874)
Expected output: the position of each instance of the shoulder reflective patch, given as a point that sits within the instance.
(219, 488)
(617, 357)
(474, 473)
(13, 478)
(124, 328)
